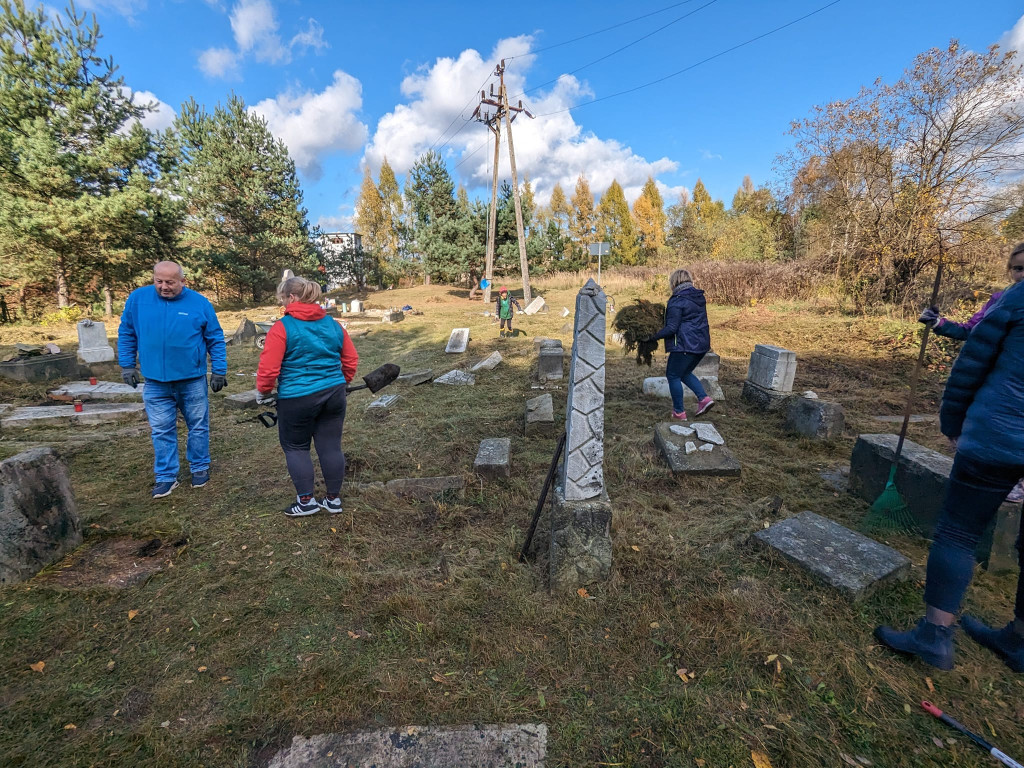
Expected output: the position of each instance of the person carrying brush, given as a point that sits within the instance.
(310, 357)
(982, 414)
(687, 339)
(961, 331)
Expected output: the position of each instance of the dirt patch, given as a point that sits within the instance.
(116, 563)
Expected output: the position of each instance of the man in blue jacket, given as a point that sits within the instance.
(171, 330)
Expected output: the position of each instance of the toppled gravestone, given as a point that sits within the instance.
(63, 365)
(488, 746)
(814, 418)
(38, 518)
(458, 341)
(50, 415)
(489, 363)
(921, 480)
(422, 488)
(456, 377)
(690, 453)
(93, 346)
(535, 306)
(657, 386)
(415, 378)
(101, 390)
(845, 560)
(492, 458)
(540, 415)
(242, 400)
(770, 377)
(382, 405)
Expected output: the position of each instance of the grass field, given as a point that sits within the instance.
(398, 612)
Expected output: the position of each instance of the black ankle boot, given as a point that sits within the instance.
(931, 643)
(1006, 643)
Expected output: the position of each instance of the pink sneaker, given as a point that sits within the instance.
(681, 415)
(705, 405)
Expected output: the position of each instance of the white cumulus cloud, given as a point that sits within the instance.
(314, 125)
(219, 62)
(311, 37)
(161, 118)
(553, 148)
(127, 8)
(1013, 39)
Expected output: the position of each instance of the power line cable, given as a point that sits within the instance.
(617, 50)
(696, 64)
(458, 115)
(600, 31)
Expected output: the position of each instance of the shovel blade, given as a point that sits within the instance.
(378, 379)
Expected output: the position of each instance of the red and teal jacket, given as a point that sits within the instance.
(305, 352)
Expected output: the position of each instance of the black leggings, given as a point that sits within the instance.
(505, 320)
(319, 417)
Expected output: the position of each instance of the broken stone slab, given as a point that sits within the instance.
(493, 456)
(706, 431)
(395, 316)
(764, 399)
(458, 341)
(382, 404)
(101, 390)
(41, 367)
(535, 306)
(679, 429)
(414, 378)
(246, 331)
(422, 488)
(580, 548)
(717, 462)
(456, 377)
(814, 418)
(707, 447)
(550, 362)
(690, 447)
(772, 368)
(657, 386)
(845, 560)
(540, 415)
(39, 521)
(46, 415)
(489, 363)
(93, 346)
(487, 746)
(242, 400)
(708, 366)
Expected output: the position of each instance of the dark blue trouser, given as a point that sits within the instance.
(320, 418)
(973, 495)
(679, 371)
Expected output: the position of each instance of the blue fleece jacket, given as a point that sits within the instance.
(686, 321)
(170, 337)
(983, 403)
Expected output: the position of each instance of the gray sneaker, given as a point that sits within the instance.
(331, 506)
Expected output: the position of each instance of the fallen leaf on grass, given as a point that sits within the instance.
(70, 727)
(635, 548)
(863, 760)
(760, 760)
(201, 669)
(938, 742)
(38, 666)
(655, 625)
(582, 592)
(701, 762)
(928, 682)
(437, 677)
(132, 614)
(110, 666)
(685, 675)
(848, 760)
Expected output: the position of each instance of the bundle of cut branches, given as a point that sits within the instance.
(636, 322)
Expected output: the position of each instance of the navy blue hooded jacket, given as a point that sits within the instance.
(983, 404)
(686, 321)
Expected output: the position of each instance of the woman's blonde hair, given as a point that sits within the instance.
(679, 277)
(302, 289)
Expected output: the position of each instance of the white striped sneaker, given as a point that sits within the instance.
(331, 506)
(298, 509)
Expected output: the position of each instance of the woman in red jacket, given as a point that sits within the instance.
(310, 357)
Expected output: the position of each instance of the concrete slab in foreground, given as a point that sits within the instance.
(93, 413)
(489, 746)
(843, 559)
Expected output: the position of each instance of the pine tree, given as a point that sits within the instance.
(79, 207)
(584, 219)
(615, 226)
(429, 189)
(245, 220)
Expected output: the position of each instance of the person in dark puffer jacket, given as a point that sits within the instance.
(687, 339)
(982, 414)
(310, 357)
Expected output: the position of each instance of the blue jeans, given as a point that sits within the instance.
(679, 371)
(163, 400)
(973, 495)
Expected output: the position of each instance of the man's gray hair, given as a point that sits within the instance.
(181, 272)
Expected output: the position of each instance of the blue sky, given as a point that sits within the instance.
(344, 84)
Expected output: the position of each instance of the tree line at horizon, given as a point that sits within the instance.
(875, 189)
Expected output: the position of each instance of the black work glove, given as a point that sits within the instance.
(929, 317)
(648, 340)
(218, 381)
(131, 377)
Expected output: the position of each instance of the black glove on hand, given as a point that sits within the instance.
(929, 317)
(131, 377)
(218, 381)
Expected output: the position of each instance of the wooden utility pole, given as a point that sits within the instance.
(503, 111)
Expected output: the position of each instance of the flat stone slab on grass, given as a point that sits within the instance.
(101, 390)
(423, 488)
(696, 461)
(488, 746)
(458, 341)
(489, 363)
(492, 458)
(63, 365)
(241, 400)
(45, 415)
(414, 378)
(657, 386)
(707, 432)
(457, 377)
(382, 404)
(845, 560)
(540, 415)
